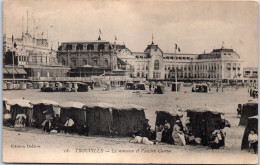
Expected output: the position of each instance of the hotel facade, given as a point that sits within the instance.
(87, 58)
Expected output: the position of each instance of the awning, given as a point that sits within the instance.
(11, 71)
(4, 71)
(20, 71)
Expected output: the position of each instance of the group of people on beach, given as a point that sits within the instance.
(162, 133)
(179, 134)
(55, 125)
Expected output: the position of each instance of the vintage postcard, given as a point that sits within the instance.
(120, 81)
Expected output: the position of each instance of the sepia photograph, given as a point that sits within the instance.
(130, 81)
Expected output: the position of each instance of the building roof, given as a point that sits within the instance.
(174, 54)
(85, 41)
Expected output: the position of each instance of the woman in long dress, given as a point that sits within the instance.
(177, 134)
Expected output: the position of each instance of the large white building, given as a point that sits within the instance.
(153, 64)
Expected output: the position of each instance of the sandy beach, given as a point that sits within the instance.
(81, 146)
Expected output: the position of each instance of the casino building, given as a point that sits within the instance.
(153, 64)
(100, 57)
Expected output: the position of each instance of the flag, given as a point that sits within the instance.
(12, 38)
(100, 32)
(115, 38)
(176, 46)
(152, 36)
(179, 49)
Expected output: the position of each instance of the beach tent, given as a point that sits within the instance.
(82, 87)
(21, 106)
(127, 119)
(75, 110)
(161, 116)
(255, 93)
(249, 109)
(178, 86)
(200, 88)
(99, 118)
(140, 86)
(159, 89)
(4, 105)
(251, 125)
(43, 109)
(204, 121)
(130, 85)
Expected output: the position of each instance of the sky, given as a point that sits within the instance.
(195, 26)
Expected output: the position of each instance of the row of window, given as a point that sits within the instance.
(141, 75)
(22, 58)
(177, 58)
(89, 47)
(95, 62)
(234, 68)
(194, 67)
(190, 75)
(42, 59)
(249, 73)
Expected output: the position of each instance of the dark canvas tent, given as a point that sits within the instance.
(161, 116)
(140, 86)
(249, 109)
(41, 109)
(251, 125)
(4, 105)
(99, 118)
(75, 110)
(203, 121)
(128, 119)
(200, 88)
(174, 87)
(159, 89)
(82, 87)
(21, 106)
(130, 85)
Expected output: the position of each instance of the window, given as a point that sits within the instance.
(101, 47)
(85, 62)
(95, 62)
(68, 47)
(156, 75)
(90, 47)
(247, 72)
(74, 62)
(79, 47)
(156, 65)
(63, 62)
(138, 74)
(34, 59)
(138, 67)
(106, 62)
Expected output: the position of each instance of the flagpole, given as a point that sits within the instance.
(176, 81)
(13, 59)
